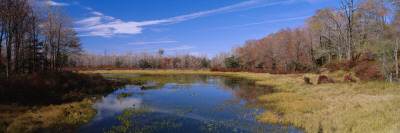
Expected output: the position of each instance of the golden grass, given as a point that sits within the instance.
(68, 117)
(341, 107)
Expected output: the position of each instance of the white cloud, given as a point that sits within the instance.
(109, 26)
(53, 3)
(155, 42)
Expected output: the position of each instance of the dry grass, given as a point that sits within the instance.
(341, 107)
(53, 118)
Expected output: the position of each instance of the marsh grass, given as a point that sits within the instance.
(158, 81)
(124, 95)
(54, 118)
(332, 107)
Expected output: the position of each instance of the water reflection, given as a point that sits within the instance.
(183, 103)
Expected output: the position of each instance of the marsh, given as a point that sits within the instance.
(182, 103)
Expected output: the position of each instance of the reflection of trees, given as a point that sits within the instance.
(239, 87)
(245, 89)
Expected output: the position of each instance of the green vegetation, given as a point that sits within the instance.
(340, 107)
(158, 80)
(232, 62)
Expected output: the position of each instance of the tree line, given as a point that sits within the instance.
(142, 60)
(35, 36)
(333, 35)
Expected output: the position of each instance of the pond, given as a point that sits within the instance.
(182, 103)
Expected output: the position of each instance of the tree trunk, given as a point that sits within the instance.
(16, 51)
(1, 40)
(8, 43)
(57, 61)
(396, 61)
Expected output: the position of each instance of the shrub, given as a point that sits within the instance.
(53, 88)
(334, 69)
(367, 71)
(221, 69)
(350, 64)
(349, 78)
(307, 80)
(322, 79)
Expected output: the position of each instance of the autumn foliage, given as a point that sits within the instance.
(349, 78)
(367, 68)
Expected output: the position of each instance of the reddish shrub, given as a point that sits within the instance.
(334, 69)
(350, 64)
(349, 78)
(322, 79)
(281, 71)
(307, 80)
(221, 69)
(214, 69)
(367, 71)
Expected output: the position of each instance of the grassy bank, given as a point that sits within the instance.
(50, 102)
(339, 107)
(54, 118)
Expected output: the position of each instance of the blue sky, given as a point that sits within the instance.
(197, 27)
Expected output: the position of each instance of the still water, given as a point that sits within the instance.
(182, 103)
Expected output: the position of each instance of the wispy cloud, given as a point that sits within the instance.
(183, 47)
(257, 23)
(108, 26)
(97, 13)
(53, 3)
(90, 21)
(88, 8)
(155, 42)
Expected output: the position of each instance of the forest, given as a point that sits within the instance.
(35, 37)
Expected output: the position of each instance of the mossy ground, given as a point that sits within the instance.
(340, 107)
